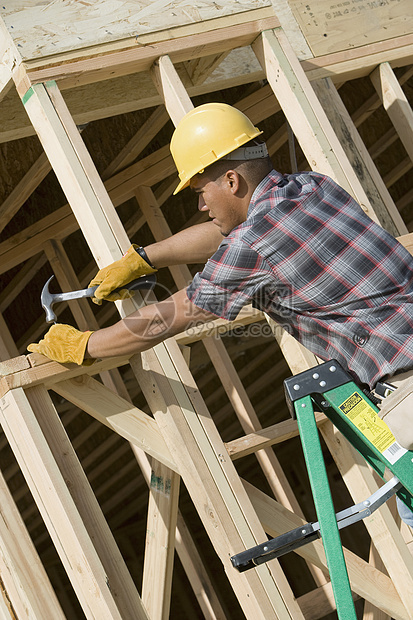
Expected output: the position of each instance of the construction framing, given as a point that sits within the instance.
(180, 439)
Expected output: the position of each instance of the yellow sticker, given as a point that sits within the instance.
(368, 422)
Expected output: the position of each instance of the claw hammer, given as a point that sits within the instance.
(48, 299)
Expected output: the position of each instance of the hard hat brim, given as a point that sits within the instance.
(182, 185)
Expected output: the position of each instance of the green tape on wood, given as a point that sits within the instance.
(27, 95)
(30, 92)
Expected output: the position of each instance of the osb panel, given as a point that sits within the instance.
(45, 27)
(332, 26)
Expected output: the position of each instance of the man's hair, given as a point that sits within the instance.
(253, 170)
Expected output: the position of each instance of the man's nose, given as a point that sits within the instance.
(201, 204)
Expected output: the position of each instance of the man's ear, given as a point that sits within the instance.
(233, 179)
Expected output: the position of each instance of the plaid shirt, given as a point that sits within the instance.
(309, 257)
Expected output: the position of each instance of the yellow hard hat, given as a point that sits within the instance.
(208, 133)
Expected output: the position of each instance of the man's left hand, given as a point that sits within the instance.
(63, 343)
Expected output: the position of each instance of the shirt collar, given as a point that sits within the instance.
(273, 178)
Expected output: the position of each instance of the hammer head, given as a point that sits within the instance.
(47, 300)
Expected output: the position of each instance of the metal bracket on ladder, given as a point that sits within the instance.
(306, 533)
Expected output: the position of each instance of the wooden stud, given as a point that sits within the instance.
(60, 514)
(26, 588)
(305, 115)
(75, 170)
(201, 68)
(22, 574)
(200, 456)
(171, 89)
(395, 103)
(207, 597)
(21, 280)
(160, 541)
(359, 157)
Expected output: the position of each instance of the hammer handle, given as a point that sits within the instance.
(146, 282)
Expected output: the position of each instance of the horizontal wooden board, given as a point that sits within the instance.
(336, 25)
(42, 28)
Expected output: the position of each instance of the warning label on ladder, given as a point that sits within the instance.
(359, 412)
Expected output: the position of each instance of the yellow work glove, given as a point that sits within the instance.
(63, 343)
(118, 274)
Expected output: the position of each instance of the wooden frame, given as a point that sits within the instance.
(180, 437)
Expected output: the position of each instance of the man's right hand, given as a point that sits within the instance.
(118, 274)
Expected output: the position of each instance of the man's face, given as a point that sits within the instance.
(217, 197)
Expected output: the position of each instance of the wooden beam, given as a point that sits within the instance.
(21, 280)
(319, 603)
(207, 597)
(212, 39)
(23, 190)
(122, 95)
(371, 612)
(117, 414)
(26, 588)
(374, 102)
(395, 103)
(269, 436)
(60, 514)
(359, 158)
(200, 69)
(398, 171)
(360, 62)
(74, 169)
(43, 371)
(170, 87)
(160, 541)
(305, 115)
(118, 95)
(138, 142)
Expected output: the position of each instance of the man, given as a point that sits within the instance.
(296, 246)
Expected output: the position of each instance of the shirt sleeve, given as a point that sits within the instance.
(232, 278)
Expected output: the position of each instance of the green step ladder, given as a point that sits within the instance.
(330, 389)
